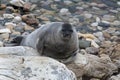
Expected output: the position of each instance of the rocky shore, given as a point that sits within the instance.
(97, 23)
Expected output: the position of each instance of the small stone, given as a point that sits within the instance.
(5, 30)
(99, 35)
(111, 30)
(94, 79)
(118, 3)
(2, 6)
(106, 35)
(27, 6)
(106, 44)
(16, 33)
(17, 19)
(4, 36)
(9, 26)
(19, 3)
(93, 43)
(87, 15)
(101, 5)
(115, 38)
(84, 44)
(27, 28)
(116, 23)
(98, 19)
(64, 11)
(19, 28)
(104, 25)
(30, 19)
(93, 4)
(1, 44)
(108, 18)
(114, 11)
(99, 28)
(68, 2)
(92, 50)
(33, 7)
(91, 36)
(94, 24)
(74, 21)
(9, 10)
(117, 33)
(8, 15)
(10, 23)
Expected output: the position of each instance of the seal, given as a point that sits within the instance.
(57, 40)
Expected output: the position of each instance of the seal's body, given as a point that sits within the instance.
(57, 40)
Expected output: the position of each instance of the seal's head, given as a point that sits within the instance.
(66, 31)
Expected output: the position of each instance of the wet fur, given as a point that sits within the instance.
(48, 40)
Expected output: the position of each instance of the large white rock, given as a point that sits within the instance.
(33, 68)
(19, 50)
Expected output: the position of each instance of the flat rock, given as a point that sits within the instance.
(33, 68)
(19, 50)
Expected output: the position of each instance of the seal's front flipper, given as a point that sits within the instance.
(17, 40)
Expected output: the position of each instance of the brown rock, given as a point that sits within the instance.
(2, 6)
(30, 19)
(10, 26)
(27, 6)
(106, 35)
(99, 67)
(27, 27)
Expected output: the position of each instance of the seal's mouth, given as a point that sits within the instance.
(66, 37)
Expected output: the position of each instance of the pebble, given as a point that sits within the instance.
(1, 44)
(93, 43)
(4, 36)
(118, 3)
(64, 11)
(110, 30)
(30, 19)
(68, 2)
(108, 18)
(10, 23)
(116, 23)
(99, 35)
(19, 3)
(28, 28)
(2, 6)
(84, 44)
(17, 19)
(94, 24)
(92, 50)
(91, 36)
(8, 15)
(98, 19)
(106, 35)
(27, 6)
(104, 24)
(6, 30)
(33, 7)
(87, 15)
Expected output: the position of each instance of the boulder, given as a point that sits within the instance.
(33, 68)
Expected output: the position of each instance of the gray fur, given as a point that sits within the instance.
(47, 40)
